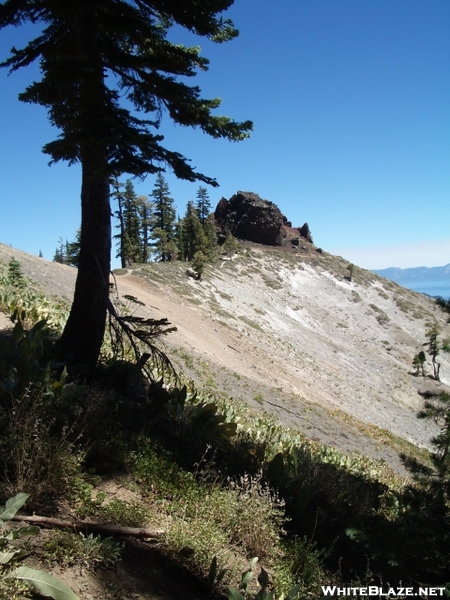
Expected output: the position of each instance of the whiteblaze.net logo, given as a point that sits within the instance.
(375, 591)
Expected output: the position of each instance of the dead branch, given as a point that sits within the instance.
(139, 532)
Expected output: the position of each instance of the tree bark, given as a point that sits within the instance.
(83, 335)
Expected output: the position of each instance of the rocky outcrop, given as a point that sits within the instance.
(248, 217)
(251, 218)
(305, 232)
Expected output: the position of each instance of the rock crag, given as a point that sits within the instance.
(249, 217)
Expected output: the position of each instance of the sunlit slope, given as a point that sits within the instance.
(299, 331)
(292, 336)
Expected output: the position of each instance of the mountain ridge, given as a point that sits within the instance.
(415, 274)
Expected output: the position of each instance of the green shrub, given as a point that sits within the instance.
(67, 549)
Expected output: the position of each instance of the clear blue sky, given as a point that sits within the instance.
(350, 101)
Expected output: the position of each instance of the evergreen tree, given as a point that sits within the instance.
(129, 240)
(199, 261)
(146, 209)
(15, 274)
(94, 54)
(230, 244)
(179, 237)
(433, 349)
(172, 250)
(163, 214)
(59, 252)
(419, 363)
(203, 204)
(73, 250)
(68, 253)
(210, 230)
(194, 237)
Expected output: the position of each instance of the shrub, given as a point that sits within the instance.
(33, 457)
(68, 549)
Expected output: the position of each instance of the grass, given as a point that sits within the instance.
(250, 322)
(272, 282)
(381, 316)
(382, 436)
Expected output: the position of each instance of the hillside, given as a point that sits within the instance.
(289, 334)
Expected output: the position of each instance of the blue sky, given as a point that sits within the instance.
(350, 101)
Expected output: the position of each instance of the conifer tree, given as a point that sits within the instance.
(68, 253)
(209, 227)
(194, 237)
(128, 236)
(179, 237)
(146, 209)
(203, 204)
(163, 214)
(73, 250)
(199, 261)
(59, 252)
(433, 348)
(93, 54)
(230, 245)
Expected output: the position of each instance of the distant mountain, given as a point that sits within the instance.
(432, 281)
(418, 274)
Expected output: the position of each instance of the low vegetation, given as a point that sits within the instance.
(228, 487)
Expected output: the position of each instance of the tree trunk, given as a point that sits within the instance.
(85, 328)
(83, 335)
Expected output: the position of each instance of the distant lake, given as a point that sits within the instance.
(431, 288)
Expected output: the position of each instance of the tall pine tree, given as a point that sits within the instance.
(203, 204)
(93, 54)
(129, 216)
(193, 234)
(163, 215)
(146, 209)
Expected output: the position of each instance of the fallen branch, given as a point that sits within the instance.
(139, 532)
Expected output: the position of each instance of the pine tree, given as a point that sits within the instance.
(193, 234)
(94, 54)
(15, 274)
(230, 245)
(68, 253)
(199, 261)
(146, 209)
(179, 238)
(163, 214)
(209, 227)
(203, 204)
(73, 250)
(128, 213)
(433, 349)
(59, 252)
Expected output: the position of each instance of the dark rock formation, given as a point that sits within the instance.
(306, 233)
(248, 217)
